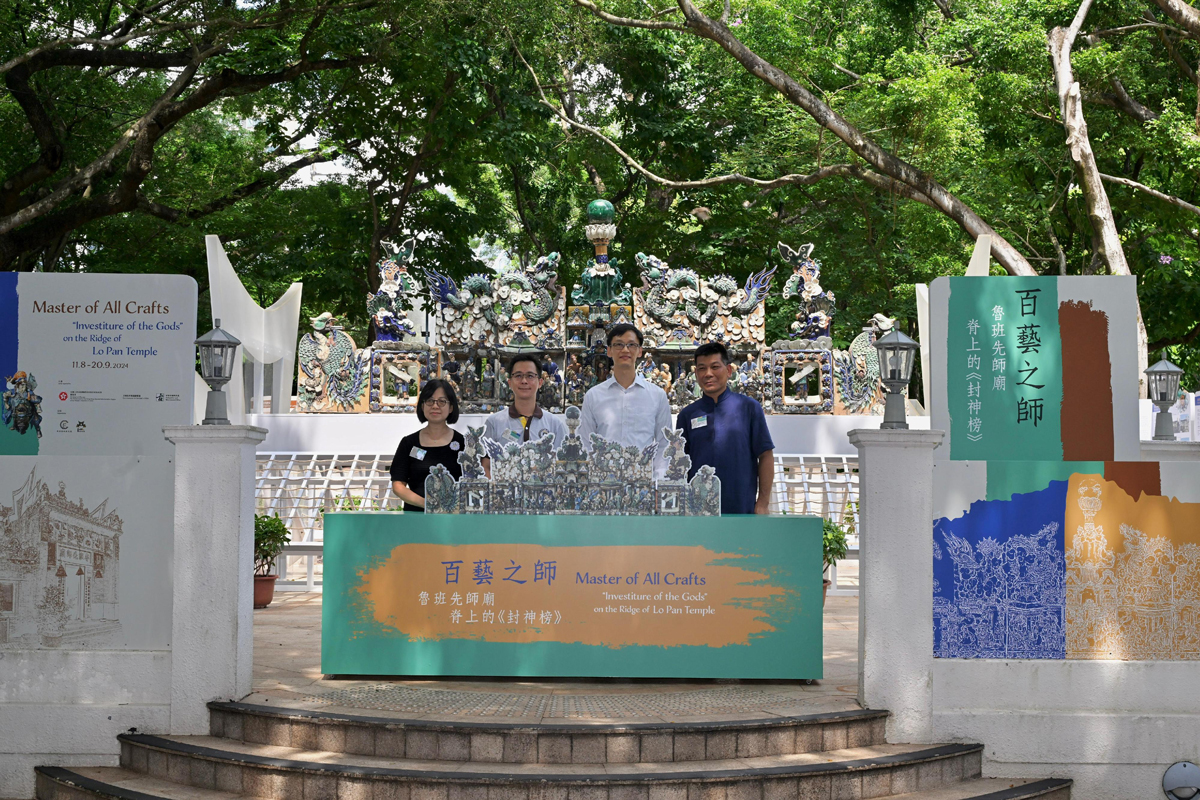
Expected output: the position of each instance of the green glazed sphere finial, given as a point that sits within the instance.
(600, 212)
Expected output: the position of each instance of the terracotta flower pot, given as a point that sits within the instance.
(264, 590)
(825, 583)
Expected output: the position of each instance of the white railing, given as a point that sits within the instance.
(823, 486)
(300, 487)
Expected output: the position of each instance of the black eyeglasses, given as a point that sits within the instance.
(439, 402)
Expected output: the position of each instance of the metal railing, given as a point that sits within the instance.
(300, 487)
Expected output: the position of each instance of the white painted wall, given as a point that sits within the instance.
(380, 433)
(1111, 726)
(66, 707)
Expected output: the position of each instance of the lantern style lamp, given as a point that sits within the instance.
(217, 350)
(1162, 382)
(897, 354)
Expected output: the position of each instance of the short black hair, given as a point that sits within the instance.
(711, 349)
(427, 391)
(519, 357)
(620, 329)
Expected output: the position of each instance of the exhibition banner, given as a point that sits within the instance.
(94, 367)
(95, 364)
(1035, 369)
(694, 597)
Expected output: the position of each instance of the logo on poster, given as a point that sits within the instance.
(62, 426)
(62, 395)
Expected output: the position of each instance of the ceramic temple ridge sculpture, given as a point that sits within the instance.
(533, 478)
(482, 321)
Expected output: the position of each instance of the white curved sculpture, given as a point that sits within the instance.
(268, 334)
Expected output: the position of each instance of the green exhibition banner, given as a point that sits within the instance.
(1004, 369)
(572, 596)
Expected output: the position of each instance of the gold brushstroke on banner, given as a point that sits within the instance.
(1133, 574)
(410, 593)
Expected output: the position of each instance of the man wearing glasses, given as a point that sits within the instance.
(626, 408)
(524, 420)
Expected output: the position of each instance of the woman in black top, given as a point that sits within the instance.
(436, 443)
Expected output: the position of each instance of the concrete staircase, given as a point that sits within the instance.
(291, 754)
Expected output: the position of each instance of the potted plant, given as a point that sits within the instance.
(835, 547)
(270, 536)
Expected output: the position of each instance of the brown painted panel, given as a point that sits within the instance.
(1135, 477)
(1087, 406)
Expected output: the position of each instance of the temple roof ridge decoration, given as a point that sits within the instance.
(477, 323)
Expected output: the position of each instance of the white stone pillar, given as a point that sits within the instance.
(213, 617)
(895, 593)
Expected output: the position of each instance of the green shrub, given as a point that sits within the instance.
(270, 535)
(835, 546)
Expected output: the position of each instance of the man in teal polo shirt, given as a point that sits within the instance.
(728, 431)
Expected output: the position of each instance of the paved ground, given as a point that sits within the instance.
(287, 656)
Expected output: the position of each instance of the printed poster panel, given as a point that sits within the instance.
(1035, 369)
(95, 364)
(85, 552)
(1068, 560)
(572, 596)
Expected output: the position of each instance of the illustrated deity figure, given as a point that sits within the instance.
(682, 391)
(21, 407)
(647, 367)
(487, 381)
(506, 394)
(387, 307)
(661, 378)
(816, 305)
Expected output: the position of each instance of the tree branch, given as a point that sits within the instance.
(1141, 187)
(895, 168)
(627, 22)
(268, 179)
(95, 42)
(1182, 13)
(1186, 338)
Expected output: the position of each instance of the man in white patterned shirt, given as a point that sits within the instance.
(626, 408)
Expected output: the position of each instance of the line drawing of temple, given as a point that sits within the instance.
(59, 569)
(1140, 604)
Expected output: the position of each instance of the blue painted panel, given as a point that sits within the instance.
(998, 578)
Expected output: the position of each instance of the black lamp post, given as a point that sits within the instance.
(897, 354)
(1162, 382)
(217, 351)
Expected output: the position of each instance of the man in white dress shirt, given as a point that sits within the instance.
(626, 408)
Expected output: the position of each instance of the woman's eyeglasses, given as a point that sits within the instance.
(439, 402)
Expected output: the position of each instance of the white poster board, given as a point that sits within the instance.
(94, 367)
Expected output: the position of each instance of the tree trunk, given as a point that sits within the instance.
(1108, 242)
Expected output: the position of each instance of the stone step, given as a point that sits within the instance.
(87, 783)
(114, 783)
(997, 789)
(273, 771)
(525, 743)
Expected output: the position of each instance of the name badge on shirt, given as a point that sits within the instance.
(417, 453)
(700, 421)
(516, 436)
